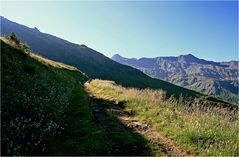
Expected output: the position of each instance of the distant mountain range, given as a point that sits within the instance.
(89, 61)
(219, 79)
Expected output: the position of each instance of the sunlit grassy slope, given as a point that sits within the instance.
(196, 126)
(46, 111)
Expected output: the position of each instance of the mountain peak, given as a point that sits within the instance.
(83, 46)
(188, 56)
(35, 28)
(117, 56)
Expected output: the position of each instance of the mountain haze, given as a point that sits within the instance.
(219, 79)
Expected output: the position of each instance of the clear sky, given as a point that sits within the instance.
(208, 30)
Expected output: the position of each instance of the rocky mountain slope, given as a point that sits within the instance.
(219, 79)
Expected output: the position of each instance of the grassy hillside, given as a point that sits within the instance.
(35, 95)
(93, 63)
(195, 126)
(46, 111)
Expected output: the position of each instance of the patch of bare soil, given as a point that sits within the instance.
(166, 144)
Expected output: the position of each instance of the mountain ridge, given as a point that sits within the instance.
(93, 63)
(171, 56)
(214, 78)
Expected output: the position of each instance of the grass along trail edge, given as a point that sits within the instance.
(167, 145)
(197, 128)
(164, 145)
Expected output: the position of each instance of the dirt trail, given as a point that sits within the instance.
(98, 114)
(166, 145)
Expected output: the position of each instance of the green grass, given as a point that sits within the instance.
(84, 137)
(196, 126)
(34, 97)
(46, 111)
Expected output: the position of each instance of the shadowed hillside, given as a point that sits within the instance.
(93, 63)
(46, 111)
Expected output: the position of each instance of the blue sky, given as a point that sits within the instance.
(206, 29)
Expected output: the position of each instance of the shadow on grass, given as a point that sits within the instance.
(125, 141)
(96, 139)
